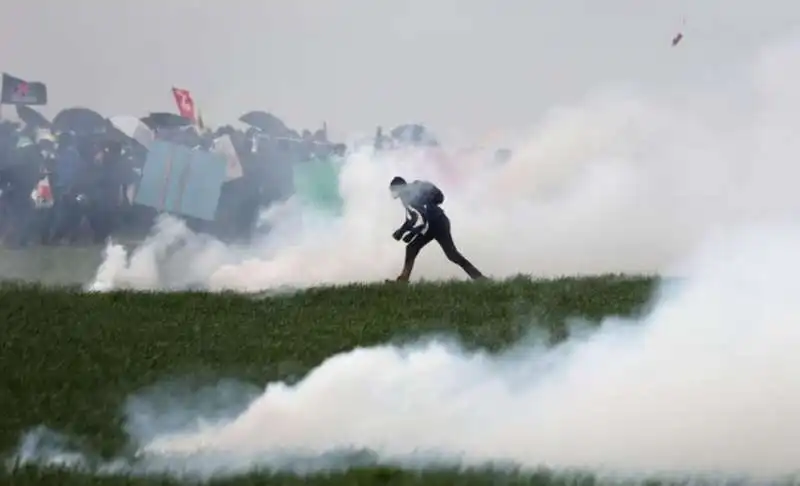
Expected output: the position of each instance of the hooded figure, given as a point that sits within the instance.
(425, 222)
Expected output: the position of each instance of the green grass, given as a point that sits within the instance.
(69, 360)
(51, 265)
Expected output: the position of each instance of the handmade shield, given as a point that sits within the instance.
(316, 183)
(179, 180)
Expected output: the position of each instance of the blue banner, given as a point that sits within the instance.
(182, 181)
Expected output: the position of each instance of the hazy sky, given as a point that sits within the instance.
(470, 65)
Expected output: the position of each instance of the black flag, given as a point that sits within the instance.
(17, 91)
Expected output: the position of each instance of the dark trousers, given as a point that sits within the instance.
(102, 219)
(21, 218)
(67, 217)
(439, 230)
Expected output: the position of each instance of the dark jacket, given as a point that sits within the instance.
(421, 200)
(21, 176)
(69, 169)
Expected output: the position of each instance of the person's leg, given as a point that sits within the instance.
(68, 221)
(412, 250)
(100, 221)
(62, 218)
(21, 210)
(444, 237)
(27, 224)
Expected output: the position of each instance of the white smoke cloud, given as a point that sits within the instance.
(621, 181)
(704, 384)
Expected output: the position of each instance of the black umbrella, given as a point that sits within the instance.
(413, 134)
(79, 120)
(266, 122)
(408, 133)
(188, 137)
(154, 121)
(31, 117)
(224, 130)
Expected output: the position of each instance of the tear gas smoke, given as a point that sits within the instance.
(621, 181)
(703, 384)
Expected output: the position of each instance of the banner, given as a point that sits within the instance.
(17, 91)
(179, 180)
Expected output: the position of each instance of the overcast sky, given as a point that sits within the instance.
(470, 65)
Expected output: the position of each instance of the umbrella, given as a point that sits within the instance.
(224, 130)
(188, 137)
(133, 128)
(413, 134)
(79, 120)
(155, 121)
(31, 117)
(266, 122)
(114, 134)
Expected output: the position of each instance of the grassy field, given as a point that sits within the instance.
(51, 265)
(69, 361)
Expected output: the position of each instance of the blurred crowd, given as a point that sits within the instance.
(72, 180)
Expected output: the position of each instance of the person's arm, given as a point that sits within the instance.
(411, 219)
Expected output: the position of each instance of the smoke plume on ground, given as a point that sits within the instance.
(703, 384)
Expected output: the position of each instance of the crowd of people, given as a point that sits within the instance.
(74, 182)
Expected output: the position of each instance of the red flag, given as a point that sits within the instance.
(185, 103)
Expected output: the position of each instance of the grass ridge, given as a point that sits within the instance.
(70, 359)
